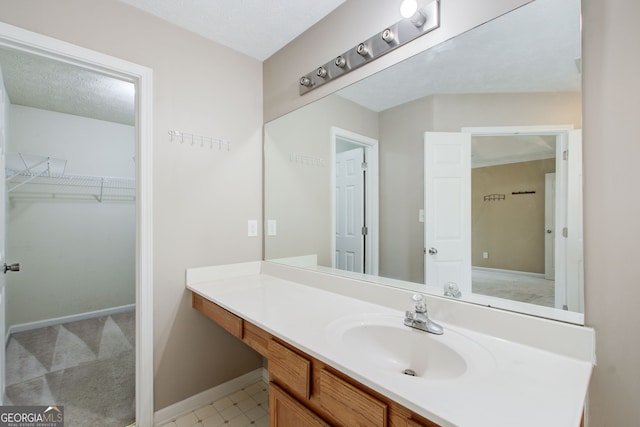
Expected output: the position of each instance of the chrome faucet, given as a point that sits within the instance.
(419, 319)
(452, 290)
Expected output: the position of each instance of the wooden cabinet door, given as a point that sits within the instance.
(348, 404)
(285, 411)
(289, 369)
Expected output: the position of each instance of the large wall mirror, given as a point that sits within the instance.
(458, 169)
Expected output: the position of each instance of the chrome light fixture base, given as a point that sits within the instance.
(426, 19)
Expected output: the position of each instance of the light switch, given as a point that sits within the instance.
(271, 227)
(252, 228)
(421, 215)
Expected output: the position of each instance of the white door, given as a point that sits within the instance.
(349, 210)
(447, 209)
(549, 226)
(574, 247)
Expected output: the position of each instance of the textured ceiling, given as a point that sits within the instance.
(257, 28)
(535, 48)
(39, 82)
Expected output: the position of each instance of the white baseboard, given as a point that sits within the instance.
(66, 319)
(513, 272)
(192, 403)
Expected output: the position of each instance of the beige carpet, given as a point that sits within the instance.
(86, 366)
(514, 287)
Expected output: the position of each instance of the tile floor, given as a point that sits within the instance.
(247, 407)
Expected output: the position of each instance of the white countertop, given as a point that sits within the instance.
(525, 386)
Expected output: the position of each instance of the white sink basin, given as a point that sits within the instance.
(384, 343)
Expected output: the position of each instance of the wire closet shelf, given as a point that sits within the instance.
(44, 177)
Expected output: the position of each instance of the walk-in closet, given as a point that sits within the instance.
(68, 136)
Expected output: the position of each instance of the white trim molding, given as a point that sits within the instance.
(22, 327)
(26, 41)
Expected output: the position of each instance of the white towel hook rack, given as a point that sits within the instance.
(182, 137)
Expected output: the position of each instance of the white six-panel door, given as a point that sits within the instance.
(349, 192)
(447, 209)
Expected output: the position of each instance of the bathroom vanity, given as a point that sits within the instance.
(294, 374)
(337, 360)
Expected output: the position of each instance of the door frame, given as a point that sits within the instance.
(549, 207)
(561, 133)
(372, 245)
(29, 42)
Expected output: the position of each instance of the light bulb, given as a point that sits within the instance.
(408, 8)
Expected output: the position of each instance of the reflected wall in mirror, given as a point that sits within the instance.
(512, 86)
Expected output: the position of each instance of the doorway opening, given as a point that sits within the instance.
(22, 42)
(541, 182)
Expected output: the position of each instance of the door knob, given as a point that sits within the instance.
(12, 267)
(433, 251)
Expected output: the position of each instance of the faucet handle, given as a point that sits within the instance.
(418, 302)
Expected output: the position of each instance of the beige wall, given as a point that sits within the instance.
(402, 189)
(612, 207)
(509, 230)
(506, 109)
(202, 198)
(299, 191)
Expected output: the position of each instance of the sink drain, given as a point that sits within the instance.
(409, 372)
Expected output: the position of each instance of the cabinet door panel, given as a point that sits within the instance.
(289, 369)
(284, 411)
(348, 404)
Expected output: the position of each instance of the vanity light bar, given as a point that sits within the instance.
(426, 19)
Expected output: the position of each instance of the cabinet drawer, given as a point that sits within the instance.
(256, 338)
(222, 317)
(348, 404)
(285, 411)
(290, 370)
